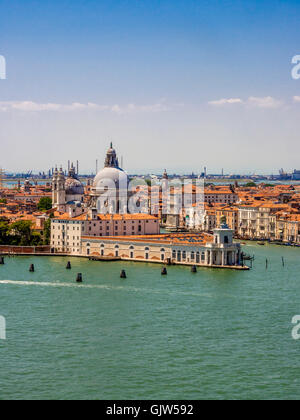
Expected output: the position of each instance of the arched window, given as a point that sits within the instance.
(88, 251)
(226, 240)
(116, 250)
(131, 248)
(192, 255)
(102, 250)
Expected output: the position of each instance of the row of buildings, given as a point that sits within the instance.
(271, 213)
(20, 203)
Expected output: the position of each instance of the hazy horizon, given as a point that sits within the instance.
(175, 85)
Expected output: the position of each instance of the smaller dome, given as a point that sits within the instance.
(74, 186)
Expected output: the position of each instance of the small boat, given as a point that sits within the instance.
(261, 243)
(247, 257)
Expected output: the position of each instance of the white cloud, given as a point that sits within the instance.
(29, 106)
(266, 102)
(296, 98)
(133, 108)
(230, 101)
(263, 102)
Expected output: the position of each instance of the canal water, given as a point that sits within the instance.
(215, 334)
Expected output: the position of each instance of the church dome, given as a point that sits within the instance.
(111, 176)
(74, 186)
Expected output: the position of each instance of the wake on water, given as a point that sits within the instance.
(101, 287)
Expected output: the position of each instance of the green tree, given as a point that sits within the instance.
(45, 204)
(47, 232)
(4, 232)
(250, 184)
(36, 239)
(21, 230)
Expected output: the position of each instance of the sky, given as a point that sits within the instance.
(174, 84)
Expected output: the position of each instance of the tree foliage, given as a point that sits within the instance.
(47, 232)
(45, 204)
(20, 233)
(4, 232)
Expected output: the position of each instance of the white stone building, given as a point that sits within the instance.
(67, 231)
(217, 250)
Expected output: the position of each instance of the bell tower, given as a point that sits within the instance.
(61, 190)
(54, 187)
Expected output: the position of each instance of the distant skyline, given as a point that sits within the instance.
(174, 84)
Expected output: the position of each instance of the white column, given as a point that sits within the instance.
(223, 257)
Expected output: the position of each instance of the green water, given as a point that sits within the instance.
(215, 334)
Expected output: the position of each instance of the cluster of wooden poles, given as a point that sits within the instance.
(282, 261)
(79, 278)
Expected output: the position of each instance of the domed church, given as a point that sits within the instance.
(109, 192)
(110, 187)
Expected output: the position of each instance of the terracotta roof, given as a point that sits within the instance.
(108, 217)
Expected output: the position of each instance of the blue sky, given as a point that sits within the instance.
(155, 77)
